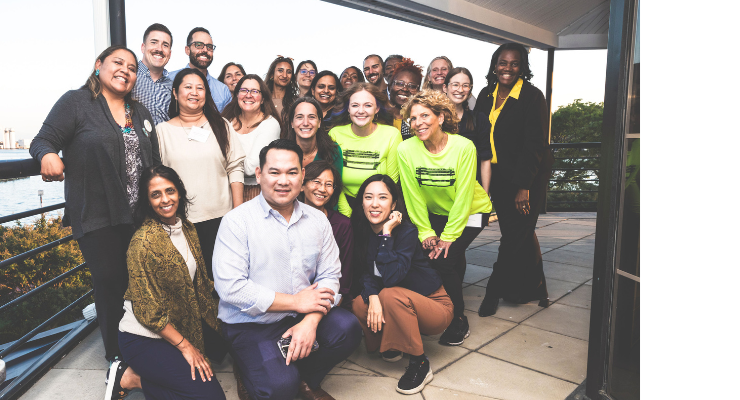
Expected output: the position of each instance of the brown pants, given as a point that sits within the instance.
(407, 315)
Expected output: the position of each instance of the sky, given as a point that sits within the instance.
(53, 51)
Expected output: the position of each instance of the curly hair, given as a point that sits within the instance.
(438, 103)
(407, 64)
(340, 114)
(526, 73)
(427, 81)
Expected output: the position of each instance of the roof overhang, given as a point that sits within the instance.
(542, 24)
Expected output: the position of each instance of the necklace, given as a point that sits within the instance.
(260, 118)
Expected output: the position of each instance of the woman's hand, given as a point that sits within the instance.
(375, 318)
(52, 168)
(393, 221)
(430, 243)
(521, 201)
(441, 246)
(196, 360)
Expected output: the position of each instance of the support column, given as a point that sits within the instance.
(548, 98)
(117, 10)
(101, 25)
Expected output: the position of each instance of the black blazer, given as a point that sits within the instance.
(521, 135)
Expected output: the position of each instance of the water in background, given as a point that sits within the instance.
(18, 195)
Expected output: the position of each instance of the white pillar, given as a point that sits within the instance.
(101, 23)
(11, 138)
(6, 138)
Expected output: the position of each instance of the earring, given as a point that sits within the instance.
(97, 72)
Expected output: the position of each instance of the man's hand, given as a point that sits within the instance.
(311, 300)
(303, 335)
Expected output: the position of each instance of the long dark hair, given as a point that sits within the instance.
(361, 229)
(143, 209)
(327, 148)
(232, 111)
(291, 91)
(218, 125)
(316, 168)
(340, 115)
(93, 81)
(526, 73)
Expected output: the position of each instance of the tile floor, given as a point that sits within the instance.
(523, 352)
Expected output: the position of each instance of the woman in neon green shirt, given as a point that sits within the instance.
(363, 130)
(443, 198)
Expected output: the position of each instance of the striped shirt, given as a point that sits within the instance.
(154, 95)
(258, 253)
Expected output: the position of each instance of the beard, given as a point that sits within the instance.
(198, 63)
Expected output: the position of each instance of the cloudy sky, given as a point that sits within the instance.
(51, 46)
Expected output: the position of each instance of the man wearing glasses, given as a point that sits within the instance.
(199, 47)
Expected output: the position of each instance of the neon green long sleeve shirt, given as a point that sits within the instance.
(442, 184)
(364, 157)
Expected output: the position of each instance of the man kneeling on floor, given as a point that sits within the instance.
(276, 268)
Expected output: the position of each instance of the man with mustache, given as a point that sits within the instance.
(373, 68)
(199, 47)
(153, 87)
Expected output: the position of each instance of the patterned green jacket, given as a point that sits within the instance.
(159, 284)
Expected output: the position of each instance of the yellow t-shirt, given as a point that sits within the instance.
(515, 92)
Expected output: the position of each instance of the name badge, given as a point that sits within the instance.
(147, 126)
(198, 134)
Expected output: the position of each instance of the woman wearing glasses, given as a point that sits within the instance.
(369, 142)
(256, 121)
(325, 89)
(405, 82)
(205, 151)
(281, 81)
(303, 124)
(458, 86)
(305, 73)
(350, 76)
(513, 115)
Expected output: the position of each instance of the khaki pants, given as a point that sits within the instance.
(407, 315)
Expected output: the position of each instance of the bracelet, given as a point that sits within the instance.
(183, 339)
(385, 235)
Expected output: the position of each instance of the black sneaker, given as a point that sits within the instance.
(113, 389)
(391, 355)
(456, 333)
(417, 375)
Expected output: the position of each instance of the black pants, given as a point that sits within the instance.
(452, 268)
(207, 231)
(105, 254)
(517, 273)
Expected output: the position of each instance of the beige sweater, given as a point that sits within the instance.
(207, 175)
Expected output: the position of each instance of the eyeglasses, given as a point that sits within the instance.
(245, 91)
(465, 86)
(200, 45)
(408, 85)
(305, 71)
(327, 185)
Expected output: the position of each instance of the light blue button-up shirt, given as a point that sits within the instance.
(219, 91)
(259, 253)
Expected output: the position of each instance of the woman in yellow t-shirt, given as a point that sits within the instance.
(363, 130)
(445, 202)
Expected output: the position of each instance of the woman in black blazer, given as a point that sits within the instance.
(513, 115)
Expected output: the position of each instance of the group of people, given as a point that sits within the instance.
(282, 219)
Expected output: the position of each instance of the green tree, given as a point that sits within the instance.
(24, 276)
(574, 123)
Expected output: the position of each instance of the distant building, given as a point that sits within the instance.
(9, 138)
(21, 144)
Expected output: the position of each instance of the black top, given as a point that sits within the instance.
(521, 134)
(478, 138)
(400, 261)
(94, 158)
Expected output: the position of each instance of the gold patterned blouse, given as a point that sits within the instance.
(159, 284)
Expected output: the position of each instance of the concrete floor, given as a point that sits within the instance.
(523, 352)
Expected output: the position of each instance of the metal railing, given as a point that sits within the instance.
(45, 348)
(574, 181)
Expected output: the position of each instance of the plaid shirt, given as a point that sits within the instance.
(154, 95)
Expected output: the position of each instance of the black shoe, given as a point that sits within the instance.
(456, 333)
(544, 303)
(488, 307)
(113, 390)
(417, 375)
(391, 355)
